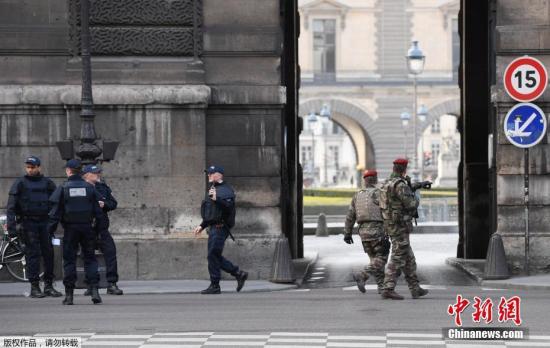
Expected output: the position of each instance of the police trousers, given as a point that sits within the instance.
(108, 248)
(38, 244)
(84, 236)
(216, 262)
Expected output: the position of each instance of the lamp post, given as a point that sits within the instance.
(422, 115)
(90, 148)
(312, 117)
(405, 118)
(415, 62)
(312, 120)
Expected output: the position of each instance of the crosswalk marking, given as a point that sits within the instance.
(288, 340)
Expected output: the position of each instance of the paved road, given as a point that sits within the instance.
(329, 312)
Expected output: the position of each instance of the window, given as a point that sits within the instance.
(334, 153)
(436, 127)
(435, 153)
(324, 40)
(336, 128)
(306, 154)
(456, 48)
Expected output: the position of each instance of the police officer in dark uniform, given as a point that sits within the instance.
(28, 205)
(218, 214)
(92, 174)
(75, 204)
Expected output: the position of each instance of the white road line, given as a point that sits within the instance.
(121, 337)
(177, 339)
(433, 287)
(183, 333)
(300, 334)
(298, 290)
(316, 278)
(423, 335)
(112, 343)
(527, 344)
(291, 346)
(317, 273)
(358, 338)
(416, 343)
(76, 334)
(243, 337)
(356, 345)
(492, 289)
(234, 343)
(297, 340)
(539, 337)
(354, 287)
(171, 346)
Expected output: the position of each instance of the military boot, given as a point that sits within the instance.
(380, 288)
(35, 290)
(113, 289)
(88, 291)
(95, 295)
(49, 290)
(419, 292)
(361, 278)
(68, 296)
(213, 289)
(241, 278)
(391, 294)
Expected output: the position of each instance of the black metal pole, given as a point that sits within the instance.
(88, 151)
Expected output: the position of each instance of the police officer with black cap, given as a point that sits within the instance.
(75, 205)
(28, 206)
(218, 215)
(92, 174)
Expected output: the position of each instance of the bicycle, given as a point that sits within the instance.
(12, 254)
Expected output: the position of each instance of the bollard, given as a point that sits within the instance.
(282, 270)
(495, 263)
(322, 229)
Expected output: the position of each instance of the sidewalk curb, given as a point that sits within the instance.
(80, 292)
(300, 280)
(468, 267)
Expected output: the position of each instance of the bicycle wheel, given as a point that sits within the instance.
(14, 259)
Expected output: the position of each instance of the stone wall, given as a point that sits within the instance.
(173, 115)
(513, 42)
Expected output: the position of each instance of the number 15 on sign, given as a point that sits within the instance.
(525, 79)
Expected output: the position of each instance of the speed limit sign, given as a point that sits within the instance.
(525, 79)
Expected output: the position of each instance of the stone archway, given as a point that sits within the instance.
(449, 107)
(354, 120)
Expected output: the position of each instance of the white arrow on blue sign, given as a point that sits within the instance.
(525, 125)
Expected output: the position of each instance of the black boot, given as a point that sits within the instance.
(68, 296)
(49, 290)
(35, 290)
(113, 289)
(95, 295)
(241, 278)
(386, 294)
(419, 292)
(213, 289)
(361, 278)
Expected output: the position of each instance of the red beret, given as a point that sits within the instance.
(401, 161)
(369, 172)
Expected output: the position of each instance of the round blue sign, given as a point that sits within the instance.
(525, 125)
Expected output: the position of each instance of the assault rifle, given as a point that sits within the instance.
(415, 186)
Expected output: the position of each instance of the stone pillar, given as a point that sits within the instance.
(522, 28)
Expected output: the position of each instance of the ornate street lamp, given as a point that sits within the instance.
(422, 116)
(405, 118)
(89, 149)
(415, 62)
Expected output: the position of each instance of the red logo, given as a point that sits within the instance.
(508, 310)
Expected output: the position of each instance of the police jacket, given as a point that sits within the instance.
(225, 201)
(29, 198)
(76, 202)
(107, 196)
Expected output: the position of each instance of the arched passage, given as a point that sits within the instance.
(353, 119)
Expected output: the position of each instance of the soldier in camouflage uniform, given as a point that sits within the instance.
(398, 204)
(365, 210)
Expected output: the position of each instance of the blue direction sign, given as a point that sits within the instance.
(525, 125)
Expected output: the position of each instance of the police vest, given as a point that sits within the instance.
(78, 199)
(34, 197)
(366, 208)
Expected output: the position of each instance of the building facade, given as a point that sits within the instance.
(352, 58)
(181, 84)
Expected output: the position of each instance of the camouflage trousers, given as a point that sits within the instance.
(377, 246)
(402, 258)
